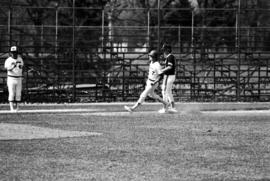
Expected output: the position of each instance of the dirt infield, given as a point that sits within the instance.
(26, 132)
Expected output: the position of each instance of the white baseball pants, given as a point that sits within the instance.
(167, 85)
(149, 91)
(14, 89)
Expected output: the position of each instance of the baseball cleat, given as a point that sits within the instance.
(162, 111)
(172, 110)
(128, 109)
(167, 106)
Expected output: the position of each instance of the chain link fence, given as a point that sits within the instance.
(221, 56)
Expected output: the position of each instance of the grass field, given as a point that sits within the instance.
(204, 142)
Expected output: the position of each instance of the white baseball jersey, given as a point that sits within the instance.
(154, 70)
(14, 66)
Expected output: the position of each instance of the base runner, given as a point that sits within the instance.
(151, 83)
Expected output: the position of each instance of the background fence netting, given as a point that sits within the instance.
(94, 54)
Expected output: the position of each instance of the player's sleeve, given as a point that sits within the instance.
(9, 65)
(21, 62)
(158, 68)
(171, 60)
(6, 64)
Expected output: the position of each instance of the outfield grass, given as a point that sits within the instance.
(145, 145)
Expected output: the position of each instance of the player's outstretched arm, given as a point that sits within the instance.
(166, 69)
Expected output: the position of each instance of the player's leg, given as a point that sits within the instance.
(18, 93)
(163, 88)
(169, 93)
(143, 96)
(155, 96)
(11, 106)
(11, 92)
(141, 99)
(164, 94)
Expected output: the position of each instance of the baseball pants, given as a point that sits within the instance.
(14, 89)
(149, 91)
(167, 85)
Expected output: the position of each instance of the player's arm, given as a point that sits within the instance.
(19, 64)
(156, 81)
(10, 65)
(22, 63)
(158, 71)
(169, 65)
(166, 69)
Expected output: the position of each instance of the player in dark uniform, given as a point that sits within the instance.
(168, 78)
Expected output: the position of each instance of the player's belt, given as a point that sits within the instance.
(169, 74)
(14, 76)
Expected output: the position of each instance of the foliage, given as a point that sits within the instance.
(122, 14)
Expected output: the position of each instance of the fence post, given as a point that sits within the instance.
(103, 30)
(73, 52)
(56, 86)
(238, 51)
(193, 86)
(56, 31)
(104, 55)
(214, 77)
(123, 81)
(148, 28)
(158, 25)
(179, 38)
(9, 22)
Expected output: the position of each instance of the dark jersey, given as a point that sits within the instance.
(170, 61)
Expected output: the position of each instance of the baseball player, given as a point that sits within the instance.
(14, 65)
(168, 73)
(151, 83)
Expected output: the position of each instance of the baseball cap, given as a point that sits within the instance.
(166, 46)
(153, 54)
(13, 49)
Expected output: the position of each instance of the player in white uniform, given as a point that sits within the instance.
(14, 65)
(151, 83)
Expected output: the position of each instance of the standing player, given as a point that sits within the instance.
(14, 65)
(151, 83)
(168, 78)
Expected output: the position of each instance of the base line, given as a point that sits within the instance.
(50, 111)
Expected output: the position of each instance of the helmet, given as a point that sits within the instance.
(153, 54)
(166, 47)
(13, 49)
